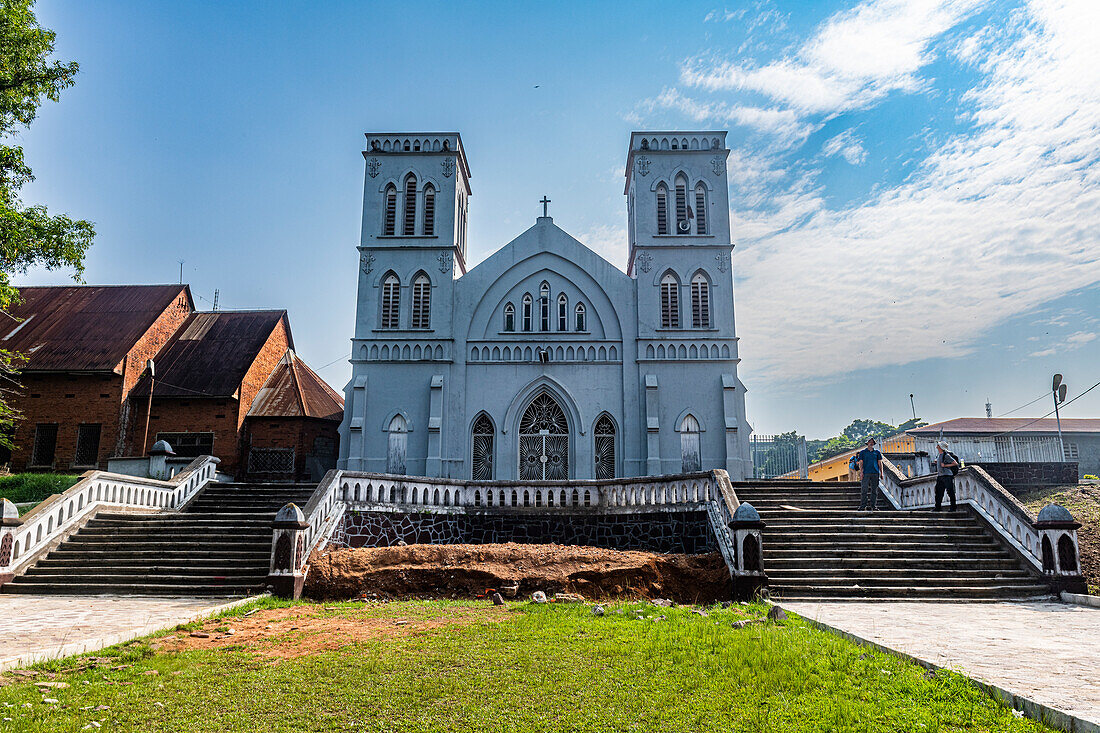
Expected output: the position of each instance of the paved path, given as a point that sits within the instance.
(34, 628)
(1045, 651)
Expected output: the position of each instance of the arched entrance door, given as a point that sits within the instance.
(543, 441)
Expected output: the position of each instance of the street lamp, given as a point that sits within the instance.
(149, 406)
(1058, 390)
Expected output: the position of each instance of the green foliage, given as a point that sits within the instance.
(29, 235)
(525, 668)
(855, 435)
(24, 488)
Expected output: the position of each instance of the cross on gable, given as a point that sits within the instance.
(545, 201)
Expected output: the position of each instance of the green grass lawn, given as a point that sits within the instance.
(25, 488)
(523, 668)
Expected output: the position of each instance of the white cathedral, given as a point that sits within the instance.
(545, 362)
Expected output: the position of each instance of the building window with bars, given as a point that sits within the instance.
(271, 460)
(544, 307)
(391, 301)
(421, 301)
(700, 301)
(563, 312)
(700, 209)
(509, 317)
(408, 227)
(582, 321)
(670, 301)
(87, 444)
(683, 226)
(604, 447)
(45, 444)
(189, 445)
(481, 445)
(662, 209)
(1073, 452)
(527, 312)
(429, 210)
(389, 222)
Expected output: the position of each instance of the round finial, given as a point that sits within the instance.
(1055, 513)
(746, 513)
(290, 514)
(161, 448)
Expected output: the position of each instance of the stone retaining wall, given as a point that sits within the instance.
(672, 532)
(1019, 477)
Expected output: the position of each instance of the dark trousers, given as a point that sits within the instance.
(945, 483)
(868, 491)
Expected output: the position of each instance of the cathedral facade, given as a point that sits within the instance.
(545, 362)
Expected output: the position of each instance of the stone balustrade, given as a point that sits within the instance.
(297, 532)
(24, 539)
(1005, 515)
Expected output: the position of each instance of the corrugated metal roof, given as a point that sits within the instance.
(85, 327)
(295, 390)
(1009, 424)
(210, 354)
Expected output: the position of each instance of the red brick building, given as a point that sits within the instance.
(85, 393)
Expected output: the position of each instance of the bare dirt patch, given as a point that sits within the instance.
(1084, 503)
(285, 633)
(450, 571)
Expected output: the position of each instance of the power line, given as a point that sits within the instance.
(1064, 404)
(339, 358)
(1029, 404)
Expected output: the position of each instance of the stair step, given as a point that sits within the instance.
(137, 589)
(150, 578)
(906, 591)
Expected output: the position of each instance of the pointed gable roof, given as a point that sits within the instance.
(295, 390)
(85, 327)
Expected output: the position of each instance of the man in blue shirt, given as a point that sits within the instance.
(870, 466)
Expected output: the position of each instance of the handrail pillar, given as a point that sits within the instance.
(749, 577)
(286, 575)
(9, 522)
(1060, 551)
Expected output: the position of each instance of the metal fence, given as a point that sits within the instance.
(779, 455)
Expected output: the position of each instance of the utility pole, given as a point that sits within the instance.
(988, 408)
(215, 299)
(913, 405)
(1059, 389)
(149, 406)
(181, 270)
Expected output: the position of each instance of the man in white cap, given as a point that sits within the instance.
(947, 467)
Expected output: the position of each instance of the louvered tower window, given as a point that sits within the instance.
(421, 301)
(429, 210)
(582, 322)
(527, 312)
(563, 313)
(700, 209)
(682, 224)
(662, 209)
(481, 443)
(509, 317)
(604, 447)
(391, 301)
(670, 302)
(409, 224)
(390, 221)
(700, 301)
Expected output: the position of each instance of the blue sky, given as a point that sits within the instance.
(914, 185)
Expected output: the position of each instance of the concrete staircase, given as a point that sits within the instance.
(818, 546)
(219, 545)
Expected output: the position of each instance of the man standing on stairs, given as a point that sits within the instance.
(945, 480)
(870, 466)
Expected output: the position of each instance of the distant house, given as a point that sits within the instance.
(84, 392)
(898, 449)
(1004, 440)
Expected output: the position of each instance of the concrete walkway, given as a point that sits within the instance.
(1044, 651)
(35, 628)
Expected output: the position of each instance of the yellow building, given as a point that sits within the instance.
(897, 448)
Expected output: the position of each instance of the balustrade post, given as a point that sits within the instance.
(1059, 549)
(288, 543)
(9, 522)
(748, 577)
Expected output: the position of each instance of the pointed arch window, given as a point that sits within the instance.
(543, 441)
(683, 226)
(509, 317)
(581, 317)
(408, 227)
(391, 301)
(527, 312)
(563, 312)
(421, 302)
(700, 209)
(389, 221)
(689, 444)
(604, 447)
(398, 445)
(544, 306)
(429, 210)
(700, 301)
(481, 445)
(670, 301)
(662, 209)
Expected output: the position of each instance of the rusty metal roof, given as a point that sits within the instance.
(210, 354)
(295, 390)
(85, 327)
(980, 425)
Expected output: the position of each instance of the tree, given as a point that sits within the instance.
(29, 235)
(855, 435)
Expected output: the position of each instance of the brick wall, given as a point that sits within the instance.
(273, 350)
(67, 400)
(183, 415)
(308, 437)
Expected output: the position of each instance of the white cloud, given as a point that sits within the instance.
(1080, 338)
(847, 146)
(783, 125)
